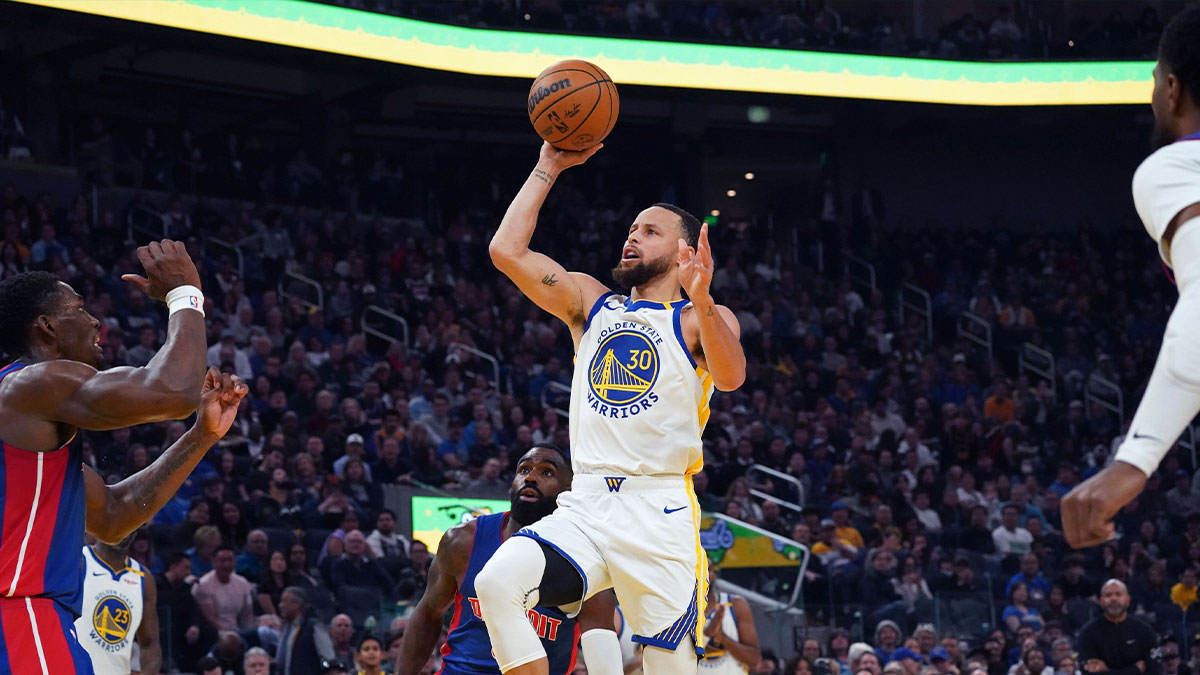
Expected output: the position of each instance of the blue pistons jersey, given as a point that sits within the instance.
(468, 651)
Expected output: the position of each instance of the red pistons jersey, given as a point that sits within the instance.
(43, 507)
(468, 650)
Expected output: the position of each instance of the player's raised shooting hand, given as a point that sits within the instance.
(167, 265)
(219, 402)
(1087, 511)
(565, 159)
(696, 268)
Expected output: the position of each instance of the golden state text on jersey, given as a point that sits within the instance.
(624, 369)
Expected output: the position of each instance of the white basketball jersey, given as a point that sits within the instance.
(113, 601)
(718, 661)
(638, 400)
(1167, 182)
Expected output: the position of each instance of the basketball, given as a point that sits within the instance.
(573, 105)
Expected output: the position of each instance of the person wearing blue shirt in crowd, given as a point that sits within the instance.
(1038, 586)
(1018, 612)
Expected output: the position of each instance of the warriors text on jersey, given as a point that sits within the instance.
(113, 601)
(468, 651)
(639, 402)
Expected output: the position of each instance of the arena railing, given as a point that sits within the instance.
(1040, 362)
(547, 403)
(299, 279)
(237, 252)
(369, 329)
(1107, 394)
(797, 506)
(462, 347)
(152, 225)
(975, 328)
(922, 306)
(860, 272)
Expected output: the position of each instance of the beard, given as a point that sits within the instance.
(642, 273)
(528, 513)
(1115, 609)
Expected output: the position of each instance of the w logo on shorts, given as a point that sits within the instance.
(614, 483)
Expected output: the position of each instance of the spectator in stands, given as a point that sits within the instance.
(341, 632)
(1036, 585)
(384, 541)
(205, 543)
(252, 562)
(257, 662)
(887, 640)
(1117, 641)
(224, 596)
(303, 641)
(1018, 612)
(357, 569)
(1010, 539)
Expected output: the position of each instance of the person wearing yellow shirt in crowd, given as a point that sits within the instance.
(1184, 592)
(832, 550)
(1000, 403)
(845, 531)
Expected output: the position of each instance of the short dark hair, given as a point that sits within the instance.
(1179, 50)
(566, 459)
(174, 559)
(387, 511)
(363, 640)
(23, 298)
(225, 547)
(689, 223)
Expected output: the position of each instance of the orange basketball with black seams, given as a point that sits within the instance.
(573, 104)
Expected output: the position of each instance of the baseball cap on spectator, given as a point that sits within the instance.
(939, 654)
(962, 559)
(838, 505)
(354, 438)
(905, 653)
(228, 333)
(740, 409)
(959, 358)
(827, 522)
(1076, 404)
(368, 289)
(925, 628)
(857, 650)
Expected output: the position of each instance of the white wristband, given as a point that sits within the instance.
(184, 297)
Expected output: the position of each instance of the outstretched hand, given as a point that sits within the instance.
(219, 401)
(696, 267)
(167, 265)
(1088, 510)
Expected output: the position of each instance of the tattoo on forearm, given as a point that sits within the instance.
(147, 485)
(544, 176)
(549, 280)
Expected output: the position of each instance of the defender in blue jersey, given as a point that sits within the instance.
(542, 473)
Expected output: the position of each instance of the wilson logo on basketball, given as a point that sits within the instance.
(543, 91)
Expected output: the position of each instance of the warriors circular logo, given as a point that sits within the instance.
(624, 368)
(111, 619)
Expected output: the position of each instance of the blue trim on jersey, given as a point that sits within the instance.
(67, 537)
(620, 626)
(670, 638)
(1191, 137)
(632, 305)
(15, 365)
(536, 537)
(116, 574)
(677, 321)
(595, 309)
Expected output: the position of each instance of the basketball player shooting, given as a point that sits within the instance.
(1166, 192)
(645, 368)
(52, 388)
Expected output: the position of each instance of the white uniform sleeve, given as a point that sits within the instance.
(1165, 184)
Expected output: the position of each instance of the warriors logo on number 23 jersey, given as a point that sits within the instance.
(638, 400)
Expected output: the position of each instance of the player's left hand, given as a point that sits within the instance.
(1087, 511)
(219, 402)
(714, 621)
(696, 267)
